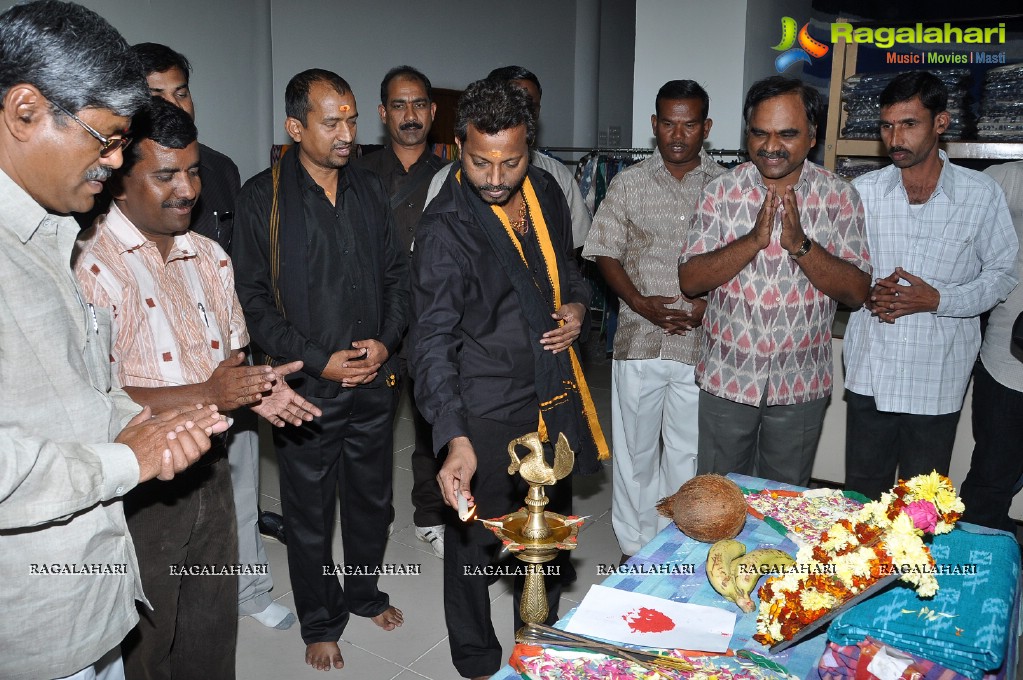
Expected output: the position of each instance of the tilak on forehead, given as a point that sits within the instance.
(344, 108)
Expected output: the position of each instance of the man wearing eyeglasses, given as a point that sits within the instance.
(72, 444)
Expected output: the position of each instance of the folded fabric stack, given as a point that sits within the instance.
(852, 167)
(1001, 111)
(850, 662)
(965, 626)
(860, 93)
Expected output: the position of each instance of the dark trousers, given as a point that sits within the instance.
(879, 442)
(427, 501)
(349, 447)
(189, 521)
(475, 649)
(773, 442)
(997, 461)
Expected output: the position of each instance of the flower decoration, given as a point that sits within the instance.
(883, 538)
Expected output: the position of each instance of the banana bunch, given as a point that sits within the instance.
(734, 573)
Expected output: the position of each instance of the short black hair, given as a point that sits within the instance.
(72, 55)
(775, 86)
(928, 87)
(683, 89)
(408, 72)
(491, 106)
(513, 72)
(296, 94)
(157, 58)
(162, 122)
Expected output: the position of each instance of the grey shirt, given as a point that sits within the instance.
(562, 175)
(60, 477)
(643, 222)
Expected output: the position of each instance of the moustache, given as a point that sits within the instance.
(773, 155)
(495, 187)
(411, 125)
(896, 149)
(100, 173)
(180, 203)
(339, 147)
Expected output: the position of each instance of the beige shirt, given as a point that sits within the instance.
(643, 222)
(174, 321)
(60, 478)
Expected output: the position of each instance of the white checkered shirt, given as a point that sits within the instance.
(961, 241)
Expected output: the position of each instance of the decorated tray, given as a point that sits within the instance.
(803, 516)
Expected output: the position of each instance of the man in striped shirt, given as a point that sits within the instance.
(177, 330)
(942, 242)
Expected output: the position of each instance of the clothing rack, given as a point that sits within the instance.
(618, 152)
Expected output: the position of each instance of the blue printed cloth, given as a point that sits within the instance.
(673, 547)
(964, 627)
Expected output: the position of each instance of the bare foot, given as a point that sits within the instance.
(389, 619)
(323, 655)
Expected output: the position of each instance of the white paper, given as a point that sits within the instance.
(648, 621)
(888, 666)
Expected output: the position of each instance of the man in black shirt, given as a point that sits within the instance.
(406, 166)
(321, 276)
(498, 303)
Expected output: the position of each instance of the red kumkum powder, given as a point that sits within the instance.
(645, 620)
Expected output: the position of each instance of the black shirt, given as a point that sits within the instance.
(411, 187)
(354, 270)
(213, 214)
(472, 350)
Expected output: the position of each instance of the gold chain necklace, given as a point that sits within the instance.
(521, 226)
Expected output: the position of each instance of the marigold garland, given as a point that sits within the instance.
(883, 538)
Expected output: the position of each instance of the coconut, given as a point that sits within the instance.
(709, 508)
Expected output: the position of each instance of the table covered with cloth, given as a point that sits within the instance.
(671, 546)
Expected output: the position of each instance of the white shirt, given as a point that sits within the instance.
(996, 352)
(961, 242)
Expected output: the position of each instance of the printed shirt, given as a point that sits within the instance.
(643, 222)
(767, 332)
(961, 241)
(173, 321)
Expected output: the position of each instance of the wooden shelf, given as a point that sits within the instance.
(981, 150)
(844, 65)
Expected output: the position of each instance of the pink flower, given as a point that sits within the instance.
(923, 514)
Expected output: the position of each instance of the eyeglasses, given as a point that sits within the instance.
(109, 144)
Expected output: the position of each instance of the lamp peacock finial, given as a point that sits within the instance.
(533, 467)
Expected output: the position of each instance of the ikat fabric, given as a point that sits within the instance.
(767, 332)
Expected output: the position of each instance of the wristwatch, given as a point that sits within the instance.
(803, 249)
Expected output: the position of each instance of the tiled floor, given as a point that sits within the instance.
(418, 649)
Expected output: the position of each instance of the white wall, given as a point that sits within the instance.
(244, 51)
(701, 41)
(453, 42)
(228, 43)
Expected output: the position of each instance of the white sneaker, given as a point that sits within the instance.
(434, 536)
